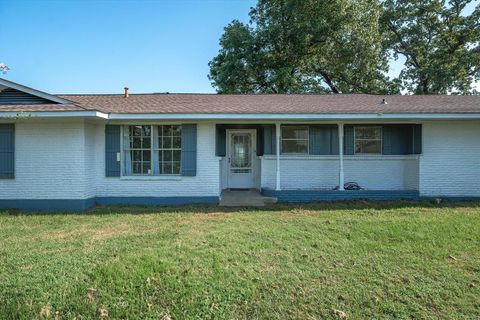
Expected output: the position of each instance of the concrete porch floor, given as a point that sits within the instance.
(244, 198)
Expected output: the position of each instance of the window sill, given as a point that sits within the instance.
(152, 178)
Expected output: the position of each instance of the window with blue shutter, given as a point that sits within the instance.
(7, 151)
(396, 139)
(112, 150)
(189, 150)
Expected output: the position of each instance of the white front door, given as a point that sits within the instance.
(241, 158)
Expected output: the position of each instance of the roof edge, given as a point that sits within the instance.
(34, 92)
(238, 116)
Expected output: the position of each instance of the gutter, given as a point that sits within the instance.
(237, 116)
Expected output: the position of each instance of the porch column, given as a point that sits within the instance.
(341, 176)
(277, 139)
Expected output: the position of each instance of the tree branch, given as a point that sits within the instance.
(329, 82)
(403, 43)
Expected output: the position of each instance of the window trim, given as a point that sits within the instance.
(122, 159)
(152, 174)
(292, 139)
(157, 149)
(362, 139)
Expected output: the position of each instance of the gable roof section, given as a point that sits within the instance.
(276, 104)
(12, 93)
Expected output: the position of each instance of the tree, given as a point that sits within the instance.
(440, 43)
(295, 46)
(4, 68)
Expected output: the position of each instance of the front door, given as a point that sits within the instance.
(241, 159)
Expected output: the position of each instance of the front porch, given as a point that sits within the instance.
(300, 162)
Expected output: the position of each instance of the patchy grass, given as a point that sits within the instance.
(359, 260)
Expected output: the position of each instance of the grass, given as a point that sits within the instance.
(362, 260)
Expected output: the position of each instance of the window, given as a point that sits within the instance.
(138, 153)
(295, 139)
(368, 140)
(151, 150)
(169, 149)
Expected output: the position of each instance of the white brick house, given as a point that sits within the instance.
(70, 152)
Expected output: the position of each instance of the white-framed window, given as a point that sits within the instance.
(368, 140)
(169, 149)
(294, 139)
(151, 150)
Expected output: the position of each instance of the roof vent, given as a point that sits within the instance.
(126, 92)
(384, 101)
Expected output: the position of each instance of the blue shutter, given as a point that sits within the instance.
(7, 151)
(323, 140)
(189, 150)
(220, 141)
(397, 139)
(387, 140)
(269, 139)
(417, 138)
(334, 140)
(112, 148)
(348, 140)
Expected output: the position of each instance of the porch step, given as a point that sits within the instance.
(244, 198)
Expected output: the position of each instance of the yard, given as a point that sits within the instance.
(353, 260)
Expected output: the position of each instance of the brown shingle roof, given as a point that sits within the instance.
(272, 103)
(276, 103)
(40, 107)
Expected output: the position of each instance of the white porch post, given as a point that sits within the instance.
(277, 139)
(341, 176)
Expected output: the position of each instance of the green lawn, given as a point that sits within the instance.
(368, 260)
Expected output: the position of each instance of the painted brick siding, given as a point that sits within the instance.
(49, 161)
(321, 172)
(205, 183)
(450, 164)
(91, 160)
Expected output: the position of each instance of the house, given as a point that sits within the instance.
(69, 152)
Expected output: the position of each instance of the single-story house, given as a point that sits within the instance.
(70, 152)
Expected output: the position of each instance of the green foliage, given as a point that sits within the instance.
(440, 42)
(304, 46)
(293, 46)
(369, 260)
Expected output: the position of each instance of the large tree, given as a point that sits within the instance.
(439, 41)
(293, 46)
(336, 46)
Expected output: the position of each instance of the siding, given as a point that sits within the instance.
(15, 97)
(450, 164)
(205, 183)
(321, 172)
(49, 161)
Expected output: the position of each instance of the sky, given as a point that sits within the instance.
(101, 46)
(71, 46)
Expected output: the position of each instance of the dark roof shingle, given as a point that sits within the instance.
(259, 104)
(277, 103)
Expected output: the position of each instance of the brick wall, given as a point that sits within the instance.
(450, 164)
(49, 161)
(321, 172)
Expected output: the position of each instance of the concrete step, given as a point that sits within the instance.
(244, 198)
